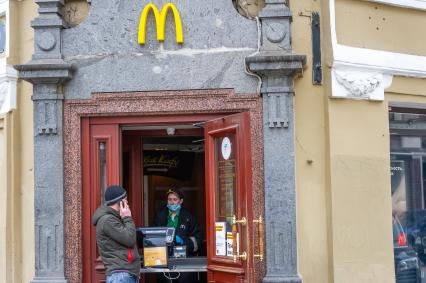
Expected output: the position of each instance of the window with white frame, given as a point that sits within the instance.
(2, 33)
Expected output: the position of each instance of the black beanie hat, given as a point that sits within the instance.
(114, 194)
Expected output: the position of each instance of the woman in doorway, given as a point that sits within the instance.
(187, 232)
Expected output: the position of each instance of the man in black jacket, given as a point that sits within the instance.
(187, 231)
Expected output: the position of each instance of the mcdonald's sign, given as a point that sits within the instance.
(160, 20)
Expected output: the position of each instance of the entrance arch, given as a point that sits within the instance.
(187, 106)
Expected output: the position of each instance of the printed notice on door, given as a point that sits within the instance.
(229, 242)
(220, 238)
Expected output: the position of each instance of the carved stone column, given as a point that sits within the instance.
(47, 71)
(277, 65)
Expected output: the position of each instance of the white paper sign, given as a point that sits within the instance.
(220, 238)
(229, 241)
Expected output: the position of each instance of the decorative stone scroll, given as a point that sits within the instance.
(47, 123)
(277, 114)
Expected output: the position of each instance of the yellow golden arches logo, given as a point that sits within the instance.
(160, 20)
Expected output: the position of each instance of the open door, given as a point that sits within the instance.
(229, 199)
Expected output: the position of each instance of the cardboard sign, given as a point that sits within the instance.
(155, 256)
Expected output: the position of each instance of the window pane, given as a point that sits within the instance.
(408, 168)
(225, 192)
(2, 34)
(102, 169)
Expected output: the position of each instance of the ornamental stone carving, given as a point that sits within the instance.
(8, 90)
(76, 11)
(359, 83)
(249, 8)
(275, 32)
(46, 41)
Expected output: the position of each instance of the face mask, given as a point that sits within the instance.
(173, 207)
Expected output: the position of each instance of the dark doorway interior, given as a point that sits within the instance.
(166, 157)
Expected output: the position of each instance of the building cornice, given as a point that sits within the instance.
(280, 63)
(45, 71)
(369, 61)
(410, 4)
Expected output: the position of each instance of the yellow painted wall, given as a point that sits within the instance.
(360, 191)
(342, 165)
(9, 199)
(310, 146)
(411, 86)
(381, 27)
(3, 199)
(27, 12)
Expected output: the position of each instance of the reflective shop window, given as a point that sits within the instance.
(408, 188)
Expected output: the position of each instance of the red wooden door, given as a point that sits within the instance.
(102, 152)
(229, 198)
(100, 157)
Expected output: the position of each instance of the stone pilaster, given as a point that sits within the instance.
(277, 65)
(47, 71)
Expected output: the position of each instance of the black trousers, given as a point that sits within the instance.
(184, 277)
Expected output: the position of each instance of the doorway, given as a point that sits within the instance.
(171, 156)
(158, 158)
(142, 155)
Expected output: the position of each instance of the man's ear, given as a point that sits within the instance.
(181, 201)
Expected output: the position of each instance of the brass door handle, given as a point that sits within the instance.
(235, 253)
(242, 221)
(242, 256)
(260, 234)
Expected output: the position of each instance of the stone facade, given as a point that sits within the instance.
(221, 50)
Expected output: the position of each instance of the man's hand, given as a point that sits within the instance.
(124, 209)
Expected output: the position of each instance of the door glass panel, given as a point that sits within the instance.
(102, 169)
(224, 151)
